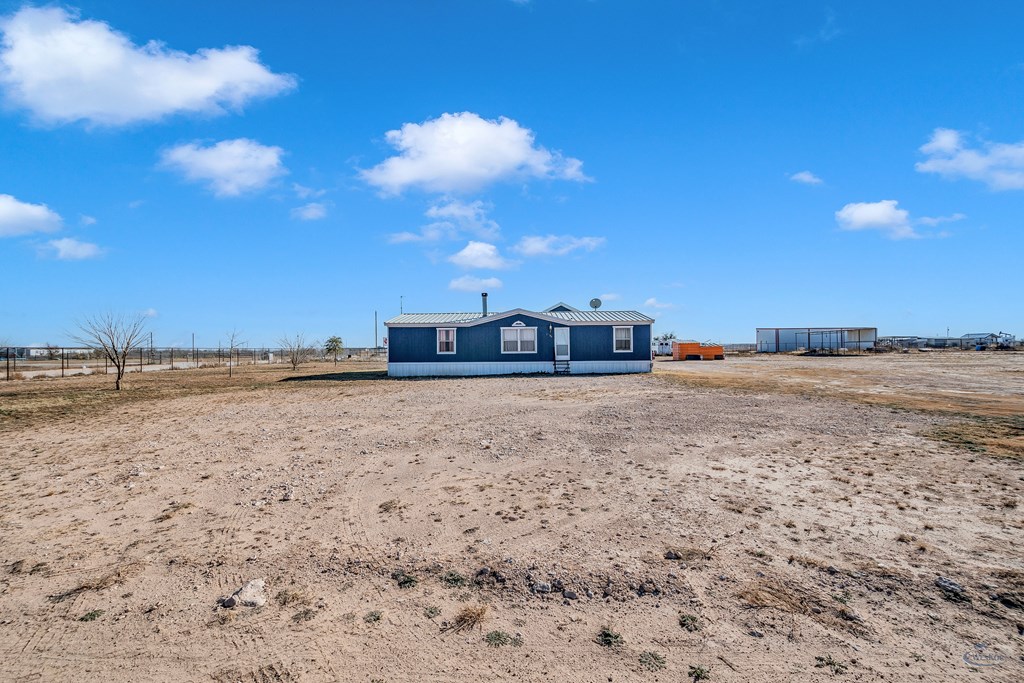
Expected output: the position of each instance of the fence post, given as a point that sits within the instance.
(140, 361)
(8, 356)
(62, 362)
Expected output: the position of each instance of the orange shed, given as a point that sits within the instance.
(697, 351)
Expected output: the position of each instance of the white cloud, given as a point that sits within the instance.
(826, 34)
(480, 255)
(313, 211)
(230, 167)
(87, 220)
(64, 69)
(454, 219)
(303, 192)
(468, 283)
(654, 303)
(884, 215)
(150, 313)
(610, 297)
(806, 177)
(136, 203)
(999, 165)
(938, 220)
(69, 249)
(22, 218)
(466, 217)
(555, 245)
(406, 236)
(462, 152)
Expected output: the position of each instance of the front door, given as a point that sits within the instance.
(561, 343)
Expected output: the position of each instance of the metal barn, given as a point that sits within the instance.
(782, 339)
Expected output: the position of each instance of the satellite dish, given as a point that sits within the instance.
(595, 303)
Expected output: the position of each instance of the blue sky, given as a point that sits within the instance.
(284, 167)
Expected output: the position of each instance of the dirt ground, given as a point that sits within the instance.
(770, 518)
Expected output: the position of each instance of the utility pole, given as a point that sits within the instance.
(375, 332)
(401, 304)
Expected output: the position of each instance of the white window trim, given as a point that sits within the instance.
(437, 340)
(623, 327)
(519, 341)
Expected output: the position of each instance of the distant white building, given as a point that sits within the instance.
(988, 339)
(782, 339)
(662, 347)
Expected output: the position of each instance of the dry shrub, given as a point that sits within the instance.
(467, 618)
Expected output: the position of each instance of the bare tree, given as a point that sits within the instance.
(234, 342)
(297, 350)
(113, 336)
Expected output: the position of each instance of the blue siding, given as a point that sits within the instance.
(482, 343)
(596, 342)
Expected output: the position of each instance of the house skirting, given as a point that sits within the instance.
(577, 367)
(597, 367)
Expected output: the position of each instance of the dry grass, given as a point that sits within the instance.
(793, 598)
(81, 397)
(786, 597)
(292, 597)
(172, 510)
(467, 618)
(989, 421)
(116, 577)
(992, 435)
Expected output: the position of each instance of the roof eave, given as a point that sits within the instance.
(522, 311)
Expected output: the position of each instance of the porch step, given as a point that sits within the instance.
(562, 367)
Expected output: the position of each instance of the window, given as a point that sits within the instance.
(446, 340)
(519, 339)
(623, 339)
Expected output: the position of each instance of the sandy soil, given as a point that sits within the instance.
(806, 520)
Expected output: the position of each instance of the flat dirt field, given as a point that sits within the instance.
(758, 519)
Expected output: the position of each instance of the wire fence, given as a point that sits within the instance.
(30, 362)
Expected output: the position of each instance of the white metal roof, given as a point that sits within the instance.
(435, 318)
(602, 316)
(560, 304)
(568, 317)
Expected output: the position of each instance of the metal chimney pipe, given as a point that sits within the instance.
(483, 297)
